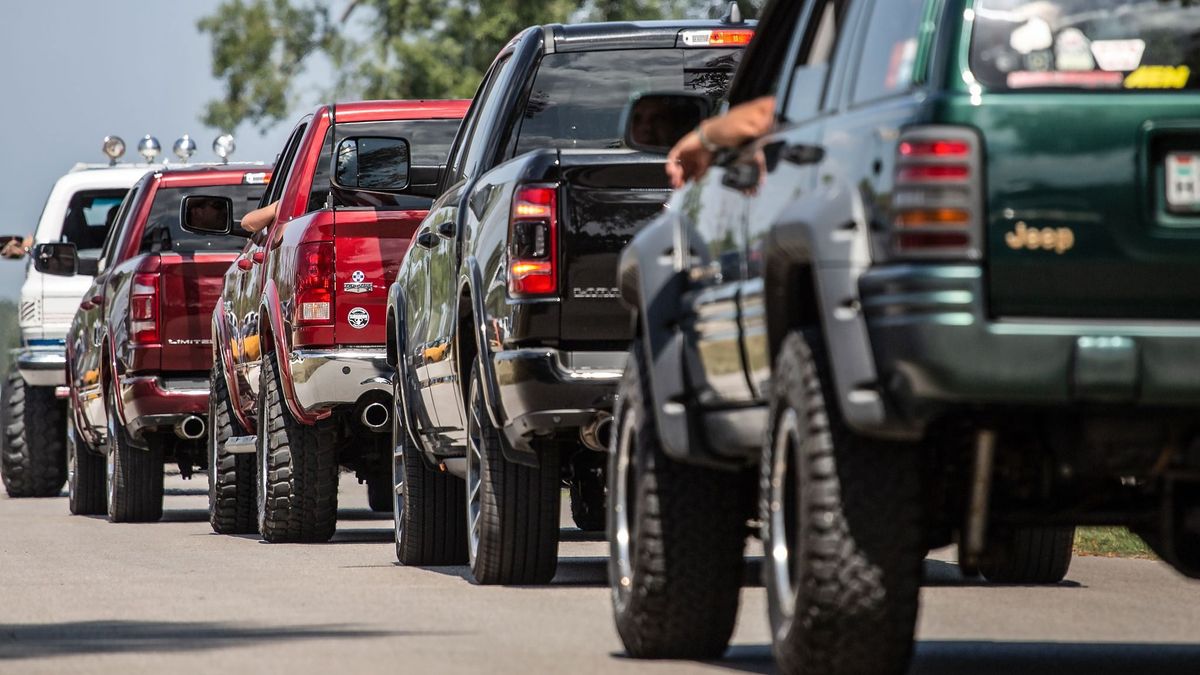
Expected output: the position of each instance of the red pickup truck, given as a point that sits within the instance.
(300, 379)
(138, 350)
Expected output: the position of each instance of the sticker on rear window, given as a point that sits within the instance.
(1121, 56)
(358, 318)
(1159, 77)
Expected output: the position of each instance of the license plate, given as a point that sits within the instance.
(1183, 182)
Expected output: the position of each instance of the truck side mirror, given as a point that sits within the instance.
(204, 214)
(60, 259)
(655, 122)
(372, 163)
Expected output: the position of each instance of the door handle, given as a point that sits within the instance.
(244, 263)
(257, 256)
(446, 229)
(801, 154)
(427, 239)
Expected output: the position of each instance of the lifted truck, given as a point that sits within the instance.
(138, 348)
(299, 377)
(504, 322)
(33, 459)
(959, 292)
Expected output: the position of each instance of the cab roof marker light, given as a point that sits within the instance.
(256, 178)
(734, 15)
(716, 38)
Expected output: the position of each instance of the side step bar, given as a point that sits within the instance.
(241, 445)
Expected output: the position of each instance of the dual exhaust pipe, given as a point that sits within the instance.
(374, 416)
(191, 428)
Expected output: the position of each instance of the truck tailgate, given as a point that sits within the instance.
(189, 288)
(368, 247)
(609, 197)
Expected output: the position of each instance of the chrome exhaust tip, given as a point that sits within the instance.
(375, 416)
(596, 434)
(190, 428)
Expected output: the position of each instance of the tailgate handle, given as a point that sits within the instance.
(426, 239)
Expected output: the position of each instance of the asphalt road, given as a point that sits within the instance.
(81, 595)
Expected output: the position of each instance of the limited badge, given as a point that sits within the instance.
(358, 318)
(357, 285)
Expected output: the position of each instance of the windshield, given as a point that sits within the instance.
(578, 98)
(163, 231)
(1086, 44)
(90, 213)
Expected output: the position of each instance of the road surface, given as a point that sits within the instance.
(81, 595)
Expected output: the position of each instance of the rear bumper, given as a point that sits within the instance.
(326, 378)
(42, 365)
(542, 391)
(157, 403)
(934, 345)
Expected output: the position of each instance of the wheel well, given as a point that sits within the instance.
(466, 346)
(392, 348)
(791, 299)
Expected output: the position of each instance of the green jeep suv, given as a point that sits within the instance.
(954, 297)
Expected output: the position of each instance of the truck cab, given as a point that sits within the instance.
(79, 210)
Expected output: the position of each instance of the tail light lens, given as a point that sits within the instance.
(314, 283)
(533, 242)
(143, 309)
(937, 202)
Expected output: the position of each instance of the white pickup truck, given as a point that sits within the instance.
(33, 452)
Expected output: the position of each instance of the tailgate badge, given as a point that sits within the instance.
(358, 318)
(357, 285)
(595, 293)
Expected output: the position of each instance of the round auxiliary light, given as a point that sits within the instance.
(149, 148)
(223, 146)
(114, 148)
(184, 148)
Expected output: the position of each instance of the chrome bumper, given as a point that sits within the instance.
(42, 366)
(324, 378)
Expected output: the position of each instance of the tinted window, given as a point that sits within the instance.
(806, 92)
(429, 144)
(578, 98)
(283, 168)
(889, 49)
(89, 215)
(164, 233)
(1115, 45)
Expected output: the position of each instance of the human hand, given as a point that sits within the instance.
(688, 160)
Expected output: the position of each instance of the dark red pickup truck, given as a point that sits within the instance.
(300, 379)
(138, 349)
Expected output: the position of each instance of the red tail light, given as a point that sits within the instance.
(533, 242)
(314, 283)
(937, 202)
(143, 309)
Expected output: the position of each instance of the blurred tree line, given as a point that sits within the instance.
(10, 332)
(387, 48)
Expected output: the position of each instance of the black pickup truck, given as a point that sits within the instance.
(504, 322)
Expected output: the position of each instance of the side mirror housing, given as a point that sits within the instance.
(372, 164)
(204, 214)
(60, 259)
(655, 122)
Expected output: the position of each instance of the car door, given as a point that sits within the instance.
(792, 157)
(443, 236)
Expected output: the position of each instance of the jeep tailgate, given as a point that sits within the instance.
(608, 197)
(368, 247)
(189, 287)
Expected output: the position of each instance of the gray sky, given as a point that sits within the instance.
(73, 71)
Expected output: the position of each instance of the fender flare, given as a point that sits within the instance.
(278, 337)
(75, 405)
(473, 281)
(649, 281)
(395, 309)
(222, 355)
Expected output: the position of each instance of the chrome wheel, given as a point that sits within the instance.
(72, 462)
(110, 452)
(261, 451)
(781, 513)
(474, 474)
(398, 471)
(212, 454)
(623, 511)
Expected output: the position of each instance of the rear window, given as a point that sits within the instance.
(578, 98)
(163, 231)
(1109, 45)
(89, 215)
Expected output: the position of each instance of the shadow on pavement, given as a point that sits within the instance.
(364, 536)
(572, 534)
(184, 515)
(942, 573)
(739, 658)
(188, 491)
(983, 657)
(363, 514)
(31, 641)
